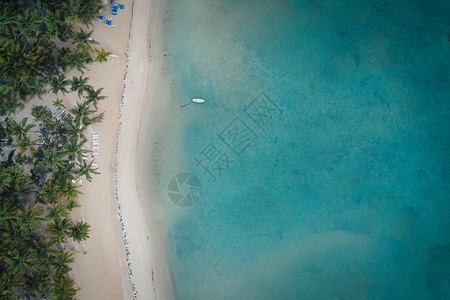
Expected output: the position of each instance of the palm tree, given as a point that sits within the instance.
(7, 212)
(38, 283)
(74, 148)
(23, 65)
(59, 83)
(79, 84)
(62, 261)
(71, 204)
(83, 11)
(15, 62)
(14, 178)
(55, 24)
(49, 26)
(58, 229)
(43, 114)
(36, 87)
(73, 59)
(75, 128)
(79, 231)
(39, 173)
(58, 103)
(63, 57)
(43, 250)
(18, 261)
(76, 59)
(51, 158)
(93, 96)
(70, 191)
(63, 288)
(28, 218)
(36, 60)
(97, 118)
(8, 281)
(50, 193)
(86, 169)
(7, 18)
(19, 129)
(83, 40)
(9, 99)
(26, 143)
(57, 211)
(13, 237)
(27, 24)
(22, 159)
(80, 59)
(65, 174)
(82, 113)
(65, 32)
(102, 55)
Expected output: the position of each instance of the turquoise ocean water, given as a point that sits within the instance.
(322, 150)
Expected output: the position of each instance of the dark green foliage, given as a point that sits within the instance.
(86, 169)
(102, 55)
(79, 84)
(36, 197)
(35, 205)
(41, 156)
(83, 40)
(29, 56)
(59, 83)
(79, 231)
(93, 96)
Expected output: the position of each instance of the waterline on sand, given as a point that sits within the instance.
(116, 179)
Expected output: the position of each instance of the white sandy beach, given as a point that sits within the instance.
(117, 262)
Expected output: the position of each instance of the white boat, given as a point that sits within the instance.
(196, 100)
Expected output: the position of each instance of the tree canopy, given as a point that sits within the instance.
(43, 156)
(29, 51)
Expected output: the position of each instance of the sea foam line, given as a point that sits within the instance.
(116, 181)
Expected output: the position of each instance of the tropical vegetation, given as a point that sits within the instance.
(43, 156)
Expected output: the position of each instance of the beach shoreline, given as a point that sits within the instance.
(140, 103)
(157, 114)
(117, 262)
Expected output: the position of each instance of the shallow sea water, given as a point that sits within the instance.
(318, 168)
